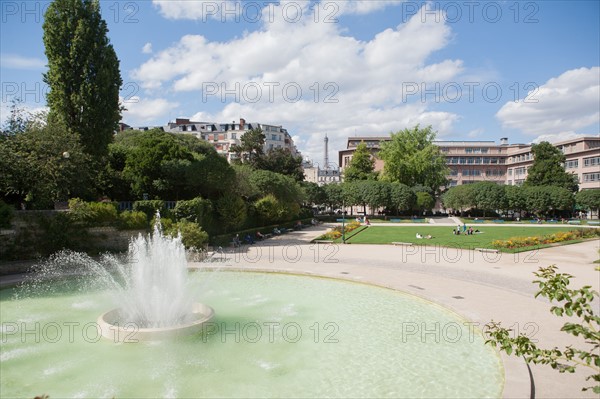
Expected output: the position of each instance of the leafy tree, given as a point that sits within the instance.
(515, 198)
(424, 201)
(402, 197)
(411, 158)
(83, 73)
(459, 198)
(547, 168)
(281, 160)
(579, 306)
(589, 199)
(232, 212)
(20, 120)
(251, 147)
(243, 185)
(334, 194)
(197, 210)
(489, 196)
(284, 188)
(270, 209)
(41, 166)
(315, 194)
(361, 166)
(543, 199)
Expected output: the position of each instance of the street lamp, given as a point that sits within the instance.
(343, 222)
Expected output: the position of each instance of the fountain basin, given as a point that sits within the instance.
(112, 326)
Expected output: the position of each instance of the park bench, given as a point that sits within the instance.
(594, 223)
(396, 220)
(495, 251)
(479, 221)
(574, 222)
(498, 220)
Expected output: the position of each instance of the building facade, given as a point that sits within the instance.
(224, 135)
(503, 163)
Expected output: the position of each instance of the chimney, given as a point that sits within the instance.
(181, 121)
(242, 123)
(504, 141)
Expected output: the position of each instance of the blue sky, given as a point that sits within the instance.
(474, 70)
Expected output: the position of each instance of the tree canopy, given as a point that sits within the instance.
(548, 170)
(83, 73)
(361, 166)
(411, 158)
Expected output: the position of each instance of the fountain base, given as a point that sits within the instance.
(114, 328)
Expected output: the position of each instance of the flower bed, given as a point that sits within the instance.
(336, 232)
(521, 242)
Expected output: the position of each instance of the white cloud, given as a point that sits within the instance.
(555, 138)
(15, 61)
(141, 111)
(199, 9)
(562, 105)
(147, 49)
(365, 78)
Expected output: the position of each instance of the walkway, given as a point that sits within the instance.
(479, 286)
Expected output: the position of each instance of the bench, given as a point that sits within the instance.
(494, 251)
(396, 220)
(498, 221)
(594, 223)
(478, 221)
(403, 243)
(574, 221)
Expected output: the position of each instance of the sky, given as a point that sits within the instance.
(473, 70)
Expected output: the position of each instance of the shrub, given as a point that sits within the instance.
(198, 210)
(521, 242)
(92, 213)
(6, 214)
(192, 235)
(133, 220)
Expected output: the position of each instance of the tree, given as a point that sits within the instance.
(515, 198)
(489, 196)
(543, 199)
(41, 166)
(411, 158)
(334, 195)
(589, 199)
(459, 198)
(232, 212)
(83, 73)
(281, 160)
(402, 197)
(424, 201)
(548, 170)
(578, 305)
(315, 194)
(361, 166)
(251, 147)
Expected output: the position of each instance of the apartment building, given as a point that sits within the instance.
(224, 135)
(503, 163)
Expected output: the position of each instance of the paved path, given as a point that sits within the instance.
(481, 287)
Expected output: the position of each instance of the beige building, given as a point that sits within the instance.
(504, 163)
(224, 135)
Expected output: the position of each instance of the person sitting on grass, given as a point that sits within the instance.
(276, 231)
(429, 236)
(419, 236)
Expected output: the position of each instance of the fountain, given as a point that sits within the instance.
(272, 335)
(156, 300)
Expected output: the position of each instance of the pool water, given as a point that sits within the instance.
(274, 335)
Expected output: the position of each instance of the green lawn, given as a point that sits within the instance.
(443, 235)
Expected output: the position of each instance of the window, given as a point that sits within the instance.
(234, 136)
(474, 172)
(572, 164)
(273, 137)
(589, 177)
(593, 161)
(453, 172)
(520, 171)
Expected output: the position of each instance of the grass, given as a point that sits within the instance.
(442, 235)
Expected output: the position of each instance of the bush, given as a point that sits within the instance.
(6, 214)
(150, 207)
(92, 213)
(133, 220)
(521, 242)
(192, 235)
(197, 210)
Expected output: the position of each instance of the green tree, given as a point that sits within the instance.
(489, 196)
(402, 198)
(459, 198)
(334, 195)
(41, 166)
(281, 160)
(424, 201)
(548, 170)
(270, 209)
(515, 198)
(411, 158)
(579, 306)
(251, 147)
(83, 73)
(232, 212)
(315, 194)
(361, 166)
(543, 199)
(284, 188)
(589, 199)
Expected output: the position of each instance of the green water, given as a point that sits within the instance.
(273, 336)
